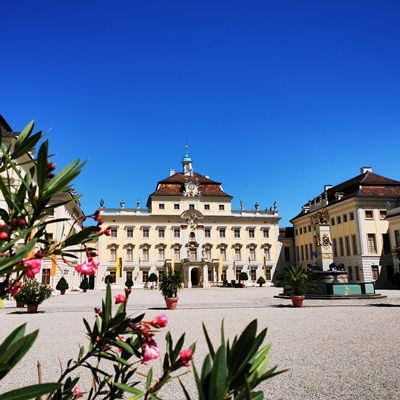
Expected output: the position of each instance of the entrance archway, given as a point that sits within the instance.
(195, 277)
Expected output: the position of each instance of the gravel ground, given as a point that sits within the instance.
(333, 349)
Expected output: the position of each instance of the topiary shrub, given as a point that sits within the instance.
(129, 283)
(62, 284)
(261, 281)
(84, 284)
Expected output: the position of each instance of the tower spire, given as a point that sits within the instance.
(187, 164)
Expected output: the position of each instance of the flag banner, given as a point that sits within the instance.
(265, 267)
(221, 266)
(118, 267)
(53, 270)
(172, 263)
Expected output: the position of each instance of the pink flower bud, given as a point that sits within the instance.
(186, 356)
(3, 236)
(89, 267)
(34, 265)
(159, 322)
(119, 298)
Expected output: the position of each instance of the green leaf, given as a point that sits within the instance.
(129, 389)
(219, 376)
(42, 169)
(149, 379)
(30, 392)
(208, 340)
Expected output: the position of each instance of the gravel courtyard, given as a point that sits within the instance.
(338, 349)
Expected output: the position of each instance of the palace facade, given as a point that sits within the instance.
(188, 224)
(356, 213)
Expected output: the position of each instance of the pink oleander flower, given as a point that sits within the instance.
(150, 351)
(15, 288)
(89, 267)
(186, 356)
(159, 322)
(35, 264)
(119, 298)
(77, 392)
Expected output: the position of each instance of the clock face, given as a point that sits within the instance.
(191, 186)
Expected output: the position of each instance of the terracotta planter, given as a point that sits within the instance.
(62, 291)
(20, 304)
(171, 302)
(297, 300)
(32, 308)
(84, 290)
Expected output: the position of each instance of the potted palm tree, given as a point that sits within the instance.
(62, 285)
(297, 282)
(33, 293)
(152, 278)
(170, 283)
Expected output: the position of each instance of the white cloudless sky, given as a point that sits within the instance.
(275, 99)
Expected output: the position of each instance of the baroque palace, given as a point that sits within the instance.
(188, 224)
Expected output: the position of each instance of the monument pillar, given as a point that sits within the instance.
(322, 237)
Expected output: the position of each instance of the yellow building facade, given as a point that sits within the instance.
(358, 235)
(188, 224)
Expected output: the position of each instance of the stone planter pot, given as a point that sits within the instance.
(20, 304)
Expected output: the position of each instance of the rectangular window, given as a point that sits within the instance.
(309, 228)
(177, 254)
(46, 276)
(113, 232)
(375, 272)
(238, 271)
(191, 206)
(371, 243)
(222, 233)
(265, 233)
(251, 233)
(311, 255)
(369, 214)
(207, 232)
(145, 276)
(129, 254)
(146, 233)
(344, 217)
(297, 253)
(129, 232)
(49, 236)
(268, 275)
(350, 274)
(335, 252)
(351, 216)
(357, 273)
(223, 253)
(210, 275)
(397, 237)
(252, 254)
(221, 207)
(237, 254)
(286, 254)
(113, 254)
(347, 240)
(207, 207)
(354, 241)
(302, 252)
(382, 214)
(145, 254)
(161, 206)
(223, 275)
(341, 247)
(267, 253)
(236, 232)
(161, 254)
(129, 275)
(161, 233)
(387, 249)
(177, 232)
(207, 253)
(176, 206)
(339, 219)
(306, 250)
(113, 275)
(253, 274)
(300, 230)
(332, 221)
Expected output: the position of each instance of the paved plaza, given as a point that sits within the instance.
(333, 349)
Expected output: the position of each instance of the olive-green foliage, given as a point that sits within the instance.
(170, 283)
(33, 292)
(62, 284)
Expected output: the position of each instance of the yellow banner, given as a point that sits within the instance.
(53, 270)
(221, 266)
(172, 263)
(265, 268)
(118, 267)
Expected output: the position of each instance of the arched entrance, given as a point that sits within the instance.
(195, 276)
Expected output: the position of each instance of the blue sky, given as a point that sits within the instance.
(274, 98)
